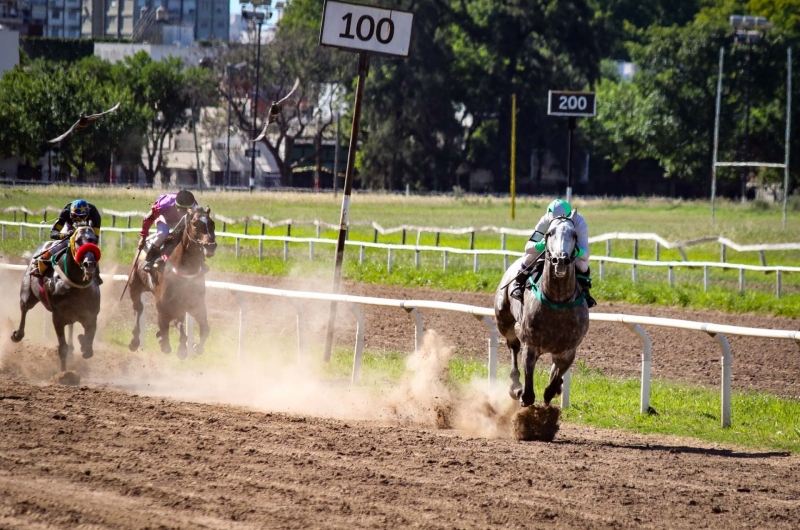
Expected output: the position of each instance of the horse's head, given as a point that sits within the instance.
(200, 229)
(562, 240)
(85, 252)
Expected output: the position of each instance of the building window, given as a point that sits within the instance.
(56, 14)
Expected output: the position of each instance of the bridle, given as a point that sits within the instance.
(548, 256)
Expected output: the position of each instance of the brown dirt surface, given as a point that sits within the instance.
(143, 444)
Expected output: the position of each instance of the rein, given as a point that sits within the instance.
(539, 292)
(64, 278)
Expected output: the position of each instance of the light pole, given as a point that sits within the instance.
(229, 68)
(258, 18)
(747, 32)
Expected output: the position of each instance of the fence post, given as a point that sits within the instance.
(242, 315)
(24, 217)
(419, 330)
(285, 251)
(475, 264)
(608, 247)
(647, 361)
(237, 248)
(375, 236)
(726, 362)
(129, 221)
(437, 239)
(389, 262)
(778, 281)
(492, 362)
(311, 250)
(472, 240)
(301, 343)
(113, 221)
(289, 230)
(40, 233)
(763, 258)
(741, 281)
(403, 241)
(671, 276)
(419, 236)
(224, 226)
(503, 241)
(361, 255)
(635, 257)
(602, 270)
(318, 230)
(505, 262)
(246, 225)
(658, 251)
(22, 233)
(705, 278)
(359, 343)
(261, 244)
(3, 236)
(444, 260)
(416, 259)
(567, 377)
(122, 240)
(723, 252)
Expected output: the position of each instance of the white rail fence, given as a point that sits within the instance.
(446, 252)
(247, 221)
(631, 322)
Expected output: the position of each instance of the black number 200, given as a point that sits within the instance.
(365, 29)
(572, 103)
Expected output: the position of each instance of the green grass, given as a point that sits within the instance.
(672, 219)
(759, 420)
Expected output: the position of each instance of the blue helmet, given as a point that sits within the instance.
(559, 208)
(79, 210)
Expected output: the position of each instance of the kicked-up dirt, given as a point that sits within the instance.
(139, 444)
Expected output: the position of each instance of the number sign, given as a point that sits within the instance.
(562, 103)
(364, 28)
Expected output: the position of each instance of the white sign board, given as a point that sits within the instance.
(364, 28)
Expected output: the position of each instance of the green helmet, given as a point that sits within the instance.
(559, 208)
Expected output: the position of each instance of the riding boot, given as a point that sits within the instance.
(150, 257)
(518, 286)
(585, 281)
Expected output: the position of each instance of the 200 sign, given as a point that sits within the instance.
(366, 28)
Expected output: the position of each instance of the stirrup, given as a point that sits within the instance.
(590, 302)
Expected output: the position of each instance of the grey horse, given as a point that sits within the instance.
(553, 319)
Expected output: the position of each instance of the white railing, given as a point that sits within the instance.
(632, 322)
(447, 251)
(660, 242)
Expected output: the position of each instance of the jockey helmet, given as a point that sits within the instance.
(184, 199)
(559, 208)
(79, 210)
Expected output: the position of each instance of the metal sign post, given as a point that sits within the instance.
(363, 29)
(573, 105)
(513, 153)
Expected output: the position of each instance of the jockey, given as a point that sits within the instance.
(77, 212)
(167, 212)
(557, 208)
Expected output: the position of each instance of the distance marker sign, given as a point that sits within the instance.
(364, 28)
(564, 103)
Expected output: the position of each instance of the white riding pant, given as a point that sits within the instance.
(157, 239)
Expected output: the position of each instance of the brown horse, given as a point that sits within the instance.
(178, 283)
(77, 267)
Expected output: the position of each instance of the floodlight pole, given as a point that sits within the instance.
(513, 154)
(363, 68)
(259, 21)
(788, 130)
(748, 89)
(716, 134)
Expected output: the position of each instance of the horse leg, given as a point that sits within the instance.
(561, 364)
(63, 348)
(516, 387)
(136, 290)
(87, 338)
(27, 301)
(182, 351)
(163, 331)
(529, 356)
(198, 312)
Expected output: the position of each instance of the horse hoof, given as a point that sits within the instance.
(165, 348)
(88, 354)
(515, 392)
(525, 401)
(16, 336)
(198, 349)
(133, 345)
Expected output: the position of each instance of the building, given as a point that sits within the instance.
(121, 18)
(117, 51)
(9, 49)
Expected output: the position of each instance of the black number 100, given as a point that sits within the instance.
(365, 28)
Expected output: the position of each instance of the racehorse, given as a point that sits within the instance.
(179, 282)
(77, 267)
(553, 319)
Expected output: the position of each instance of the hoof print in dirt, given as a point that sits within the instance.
(69, 378)
(536, 423)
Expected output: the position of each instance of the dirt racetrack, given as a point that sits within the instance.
(143, 445)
